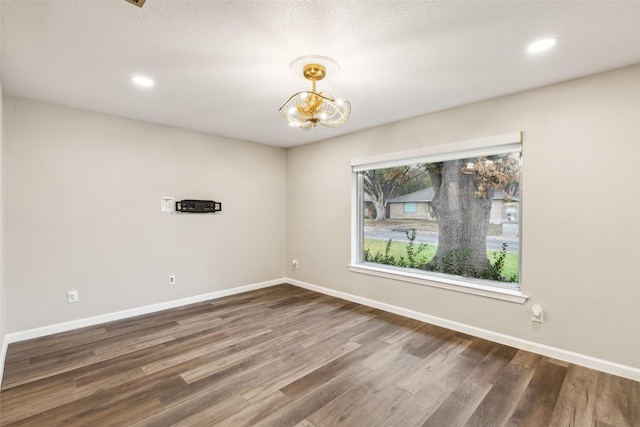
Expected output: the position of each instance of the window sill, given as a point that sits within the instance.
(436, 280)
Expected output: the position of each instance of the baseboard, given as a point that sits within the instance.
(545, 350)
(3, 354)
(119, 315)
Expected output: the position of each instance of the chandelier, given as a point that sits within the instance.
(307, 110)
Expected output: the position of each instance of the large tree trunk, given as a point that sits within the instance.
(463, 219)
(381, 210)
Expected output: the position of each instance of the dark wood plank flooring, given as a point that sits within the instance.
(285, 356)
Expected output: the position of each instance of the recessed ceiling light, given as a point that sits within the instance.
(542, 45)
(142, 81)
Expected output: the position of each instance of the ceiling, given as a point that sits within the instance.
(222, 67)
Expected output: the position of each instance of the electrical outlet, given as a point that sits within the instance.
(537, 315)
(172, 280)
(72, 296)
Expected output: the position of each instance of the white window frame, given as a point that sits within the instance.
(493, 145)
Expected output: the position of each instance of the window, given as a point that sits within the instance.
(410, 207)
(445, 215)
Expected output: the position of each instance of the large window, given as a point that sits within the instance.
(446, 214)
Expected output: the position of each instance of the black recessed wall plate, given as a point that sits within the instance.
(198, 206)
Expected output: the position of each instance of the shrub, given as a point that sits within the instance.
(411, 260)
(456, 262)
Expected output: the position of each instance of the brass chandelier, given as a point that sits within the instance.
(307, 110)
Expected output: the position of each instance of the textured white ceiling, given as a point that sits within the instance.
(222, 67)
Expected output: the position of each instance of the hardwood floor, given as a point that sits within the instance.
(285, 356)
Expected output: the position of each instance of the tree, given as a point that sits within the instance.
(417, 183)
(462, 205)
(383, 184)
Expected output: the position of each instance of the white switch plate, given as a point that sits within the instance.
(167, 204)
(172, 280)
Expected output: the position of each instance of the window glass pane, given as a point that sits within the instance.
(456, 217)
(410, 207)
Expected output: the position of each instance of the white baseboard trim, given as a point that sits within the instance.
(3, 354)
(545, 350)
(119, 315)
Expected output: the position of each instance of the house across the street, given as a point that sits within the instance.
(417, 205)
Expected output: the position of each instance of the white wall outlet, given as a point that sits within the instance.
(72, 296)
(537, 315)
(295, 264)
(172, 280)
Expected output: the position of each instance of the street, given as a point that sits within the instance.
(494, 243)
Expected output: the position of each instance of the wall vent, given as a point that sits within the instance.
(138, 3)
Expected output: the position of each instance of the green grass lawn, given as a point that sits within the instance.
(398, 250)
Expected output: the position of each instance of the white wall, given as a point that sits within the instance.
(82, 210)
(580, 214)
